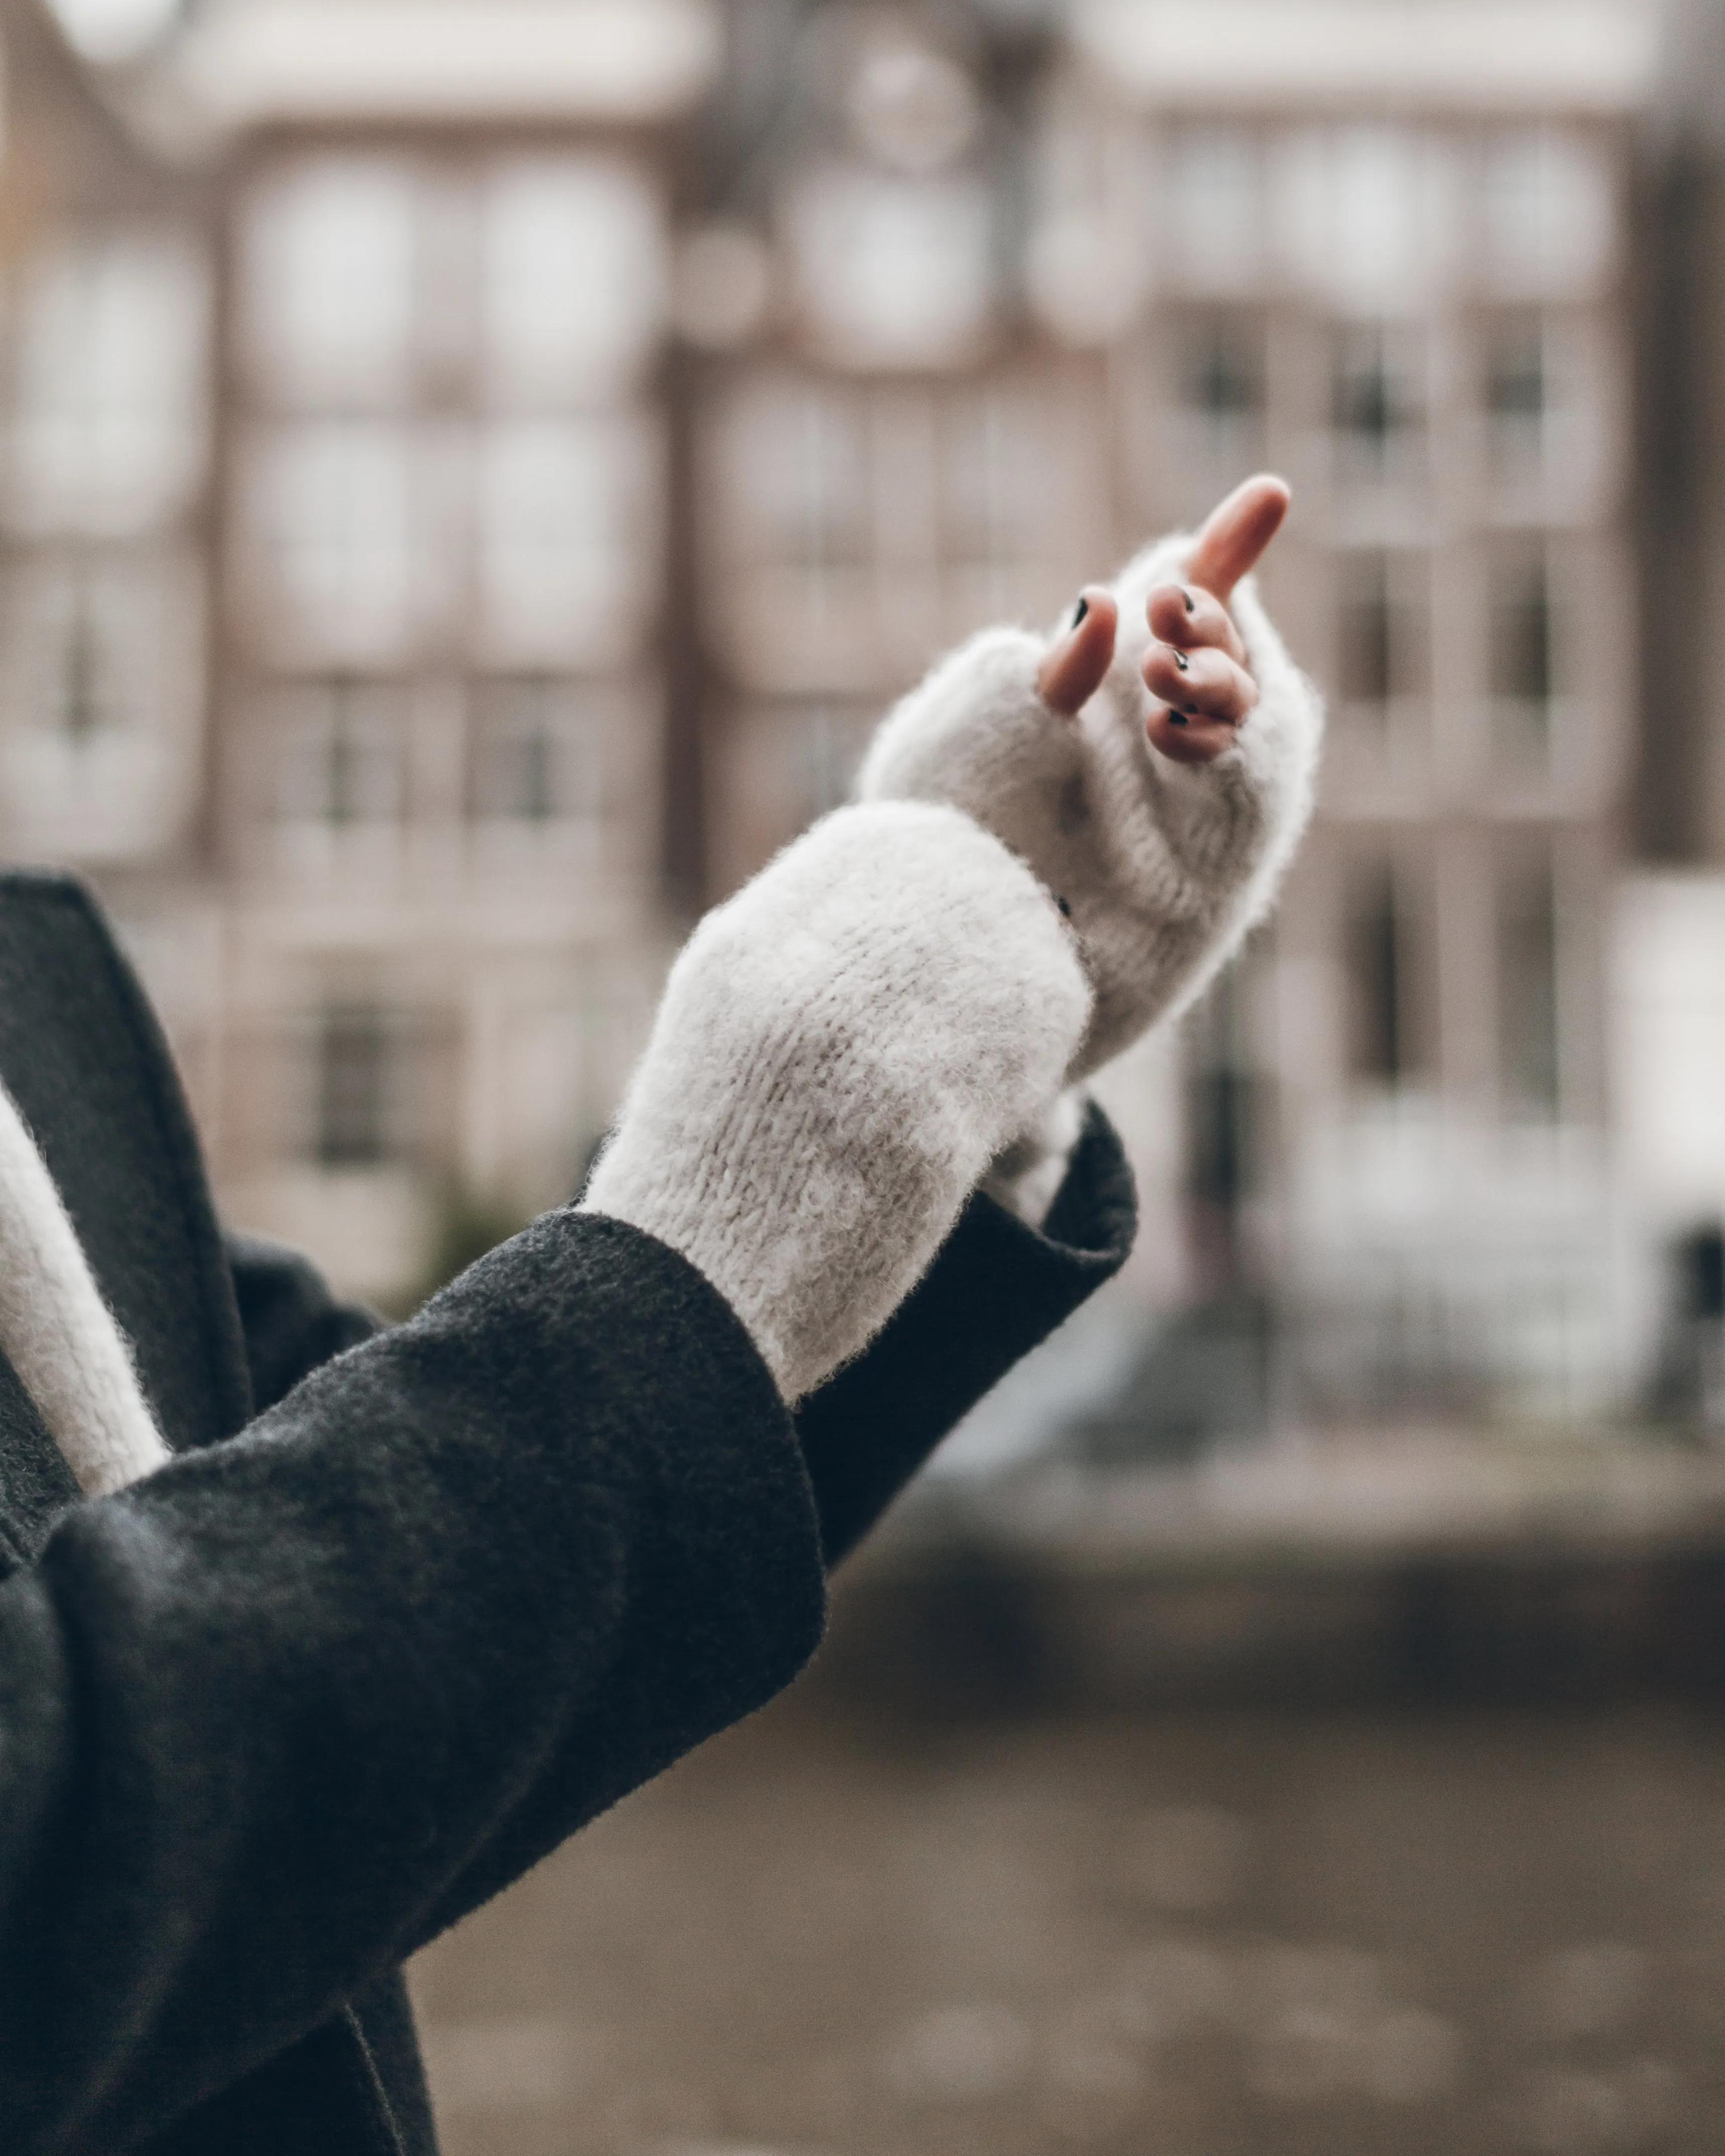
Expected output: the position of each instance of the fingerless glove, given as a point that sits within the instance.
(842, 1050)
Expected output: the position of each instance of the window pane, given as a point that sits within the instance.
(1001, 488)
(1219, 362)
(109, 422)
(1367, 670)
(1522, 637)
(1548, 212)
(1386, 949)
(1377, 400)
(1517, 391)
(101, 702)
(343, 755)
(568, 531)
(536, 754)
(357, 1110)
(1525, 658)
(1216, 361)
(830, 741)
(1528, 1036)
(791, 474)
(895, 272)
(575, 278)
(1215, 209)
(329, 266)
(332, 527)
(1384, 628)
(1369, 214)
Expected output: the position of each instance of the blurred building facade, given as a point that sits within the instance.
(503, 472)
(337, 513)
(1389, 258)
(1022, 300)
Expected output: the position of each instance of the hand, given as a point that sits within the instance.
(1197, 665)
(1160, 834)
(842, 1050)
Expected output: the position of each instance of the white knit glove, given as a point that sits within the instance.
(1162, 867)
(842, 1050)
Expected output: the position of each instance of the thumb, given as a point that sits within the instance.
(1235, 535)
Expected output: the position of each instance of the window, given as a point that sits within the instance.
(574, 278)
(1000, 486)
(895, 272)
(1385, 945)
(1382, 630)
(342, 756)
(831, 740)
(1214, 216)
(110, 388)
(1368, 211)
(1517, 394)
(1548, 211)
(333, 532)
(1528, 1046)
(330, 268)
(792, 475)
(536, 753)
(1367, 657)
(1218, 365)
(358, 1108)
(568, 530)
(101, 690)
(99, 646)
(1524, 659)
(1377, 400)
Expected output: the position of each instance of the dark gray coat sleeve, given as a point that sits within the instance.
(997, 1290)
(280, 1714)
(275, 1719)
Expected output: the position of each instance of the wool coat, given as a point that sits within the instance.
(406, 1608)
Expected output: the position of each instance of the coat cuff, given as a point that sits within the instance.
(997, 1289)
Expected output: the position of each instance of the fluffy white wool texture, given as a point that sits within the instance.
(842, 1050)
(58, 1334)
(1164, 867)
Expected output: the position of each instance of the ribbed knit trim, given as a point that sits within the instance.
(58, 1334)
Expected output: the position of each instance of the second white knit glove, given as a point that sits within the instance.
(1161, 867)
(842, 1050)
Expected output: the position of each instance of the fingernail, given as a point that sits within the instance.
(1182, 662)
(1177, 718)
(1191, 602)
(1083, 610)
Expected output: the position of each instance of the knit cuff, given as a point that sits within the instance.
(1026, 1178)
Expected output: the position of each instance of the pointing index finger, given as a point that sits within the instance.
(1235, 535)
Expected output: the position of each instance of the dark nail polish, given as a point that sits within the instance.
(1083, 610)
(1191, 602)
(1177, 718)
(1182, 662)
